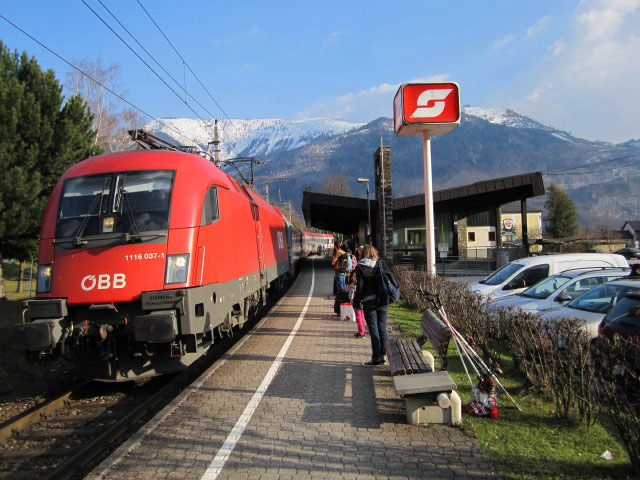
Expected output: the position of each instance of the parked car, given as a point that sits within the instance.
(629, 253)
(515, 276)
(592, 306)
(558, 290)
(624, 318)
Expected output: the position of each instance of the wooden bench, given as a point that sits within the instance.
(438, 334)
(415, 380)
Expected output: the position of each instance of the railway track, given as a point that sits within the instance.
(67, 436)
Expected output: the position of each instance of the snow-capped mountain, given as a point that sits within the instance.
(261, 137)
(490, 143)
(502, 116)
(255, 137)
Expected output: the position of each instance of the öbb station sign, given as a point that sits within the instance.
(431, 108)
(423, 110)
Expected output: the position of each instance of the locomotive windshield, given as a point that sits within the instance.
(117, 202)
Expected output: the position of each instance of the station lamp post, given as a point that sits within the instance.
(366, 180)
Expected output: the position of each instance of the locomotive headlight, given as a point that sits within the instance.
(107, 224)
(177, 268)
(43, 284)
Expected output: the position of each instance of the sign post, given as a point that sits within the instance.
(426, 109)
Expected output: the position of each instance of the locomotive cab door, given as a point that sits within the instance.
(259, 244)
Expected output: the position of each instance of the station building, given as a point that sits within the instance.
(471, 221)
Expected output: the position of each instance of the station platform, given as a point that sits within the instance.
(292, 400)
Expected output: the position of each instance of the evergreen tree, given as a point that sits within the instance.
(561, 213)
(39, 139)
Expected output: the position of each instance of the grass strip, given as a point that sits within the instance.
(531, 444)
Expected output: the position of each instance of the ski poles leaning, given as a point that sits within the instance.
(486, 374)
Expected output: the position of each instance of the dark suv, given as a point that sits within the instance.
(624, 318)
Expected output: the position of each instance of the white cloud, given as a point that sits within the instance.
(538, 26)
(587, 82)
(362, 106)
(498, 44)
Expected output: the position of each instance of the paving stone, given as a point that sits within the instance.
(323, 415)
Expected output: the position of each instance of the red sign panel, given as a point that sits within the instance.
(432, 108)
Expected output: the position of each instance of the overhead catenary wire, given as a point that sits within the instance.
(155, 60)
(186, 64)
(144, 62)
(231, 147)
(91, 78)
(567, 171)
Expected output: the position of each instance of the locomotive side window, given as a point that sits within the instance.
(121, 202)
(210, 208)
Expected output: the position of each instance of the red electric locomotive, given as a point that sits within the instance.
(145, 257)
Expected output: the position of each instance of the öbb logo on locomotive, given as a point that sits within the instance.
(103, 281)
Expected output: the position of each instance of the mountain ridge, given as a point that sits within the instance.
(489, 143)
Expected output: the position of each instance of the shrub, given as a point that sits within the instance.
(554, 358)
(618, 381)
(466, 310)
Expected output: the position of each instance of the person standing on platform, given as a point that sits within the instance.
(375, 310)
(339, 277)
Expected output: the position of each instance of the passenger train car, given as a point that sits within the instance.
(314, 240)
(146, 258)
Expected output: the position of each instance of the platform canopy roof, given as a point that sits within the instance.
(340, 214)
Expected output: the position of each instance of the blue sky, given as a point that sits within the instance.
(573, 65)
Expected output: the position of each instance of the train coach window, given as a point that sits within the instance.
(210, 208)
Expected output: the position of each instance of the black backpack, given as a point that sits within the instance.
(386, 285)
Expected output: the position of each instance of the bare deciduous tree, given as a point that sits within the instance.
(337, 184)
(110, 122)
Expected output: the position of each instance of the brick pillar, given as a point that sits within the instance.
(384, 221)
(462, 237)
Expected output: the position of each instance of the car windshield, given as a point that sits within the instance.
(546, 287)
(499, 276)
(600, 299)
(123, 202)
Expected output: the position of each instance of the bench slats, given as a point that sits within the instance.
(419, 358)
(405, 357)
(414, 363)
(405, 360)
(395, 361)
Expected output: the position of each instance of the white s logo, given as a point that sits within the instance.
(423, 100)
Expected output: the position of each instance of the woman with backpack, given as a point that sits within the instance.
(367, 275)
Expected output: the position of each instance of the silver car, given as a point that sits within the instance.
(558, 290)
(592, 306)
